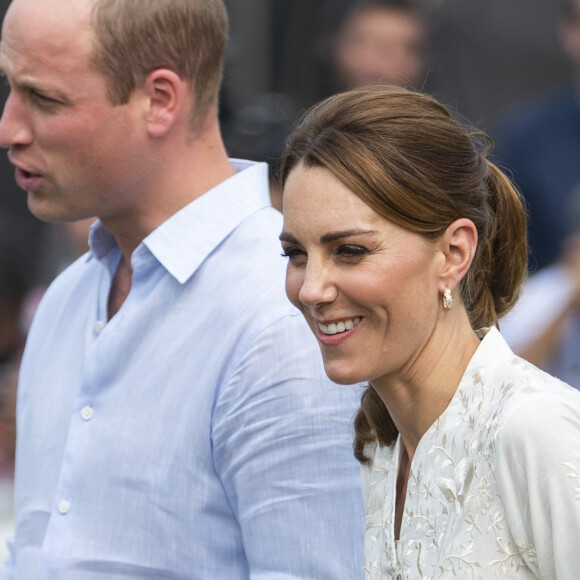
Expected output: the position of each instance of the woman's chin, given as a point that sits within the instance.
(342, 375)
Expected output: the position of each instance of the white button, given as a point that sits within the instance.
(99, 325)
(63, 506)
(87, 413)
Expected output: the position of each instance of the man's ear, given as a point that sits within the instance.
(458, 245)
(165, 92)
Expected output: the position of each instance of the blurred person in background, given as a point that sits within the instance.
(380, 42)
(544, 326)
(482, 57)
(485, 57)
(366, 42)
(539, 142)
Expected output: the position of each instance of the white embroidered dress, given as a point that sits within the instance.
(494, 486)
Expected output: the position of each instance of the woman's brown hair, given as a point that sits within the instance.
(405, 156)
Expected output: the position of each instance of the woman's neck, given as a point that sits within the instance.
(418, 395)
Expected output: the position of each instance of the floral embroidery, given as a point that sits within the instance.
(455, 522)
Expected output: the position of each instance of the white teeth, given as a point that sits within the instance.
(335, 328)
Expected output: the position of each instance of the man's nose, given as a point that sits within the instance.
(14, 125)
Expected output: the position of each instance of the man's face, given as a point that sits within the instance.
(74, 152)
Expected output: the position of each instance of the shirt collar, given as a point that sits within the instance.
(183, 242)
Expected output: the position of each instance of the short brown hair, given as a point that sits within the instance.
(405, 156)
(135, 37)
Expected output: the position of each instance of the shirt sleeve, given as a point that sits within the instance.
(538, 471)
(282, 437)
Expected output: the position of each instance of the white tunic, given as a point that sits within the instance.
(494, 485)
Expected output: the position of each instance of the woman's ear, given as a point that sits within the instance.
(165, 92)
(458, 245)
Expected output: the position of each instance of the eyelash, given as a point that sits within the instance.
(40, 97)
(291, 253)
(42, 100)
(352, 251)
(346, 252)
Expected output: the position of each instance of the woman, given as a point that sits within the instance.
(405, 246)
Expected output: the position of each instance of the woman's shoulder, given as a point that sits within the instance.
(529, 390)
(535, 410)
(511, 387)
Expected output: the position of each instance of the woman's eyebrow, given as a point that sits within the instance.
(334, 236)
(285, 237)
(327, 238)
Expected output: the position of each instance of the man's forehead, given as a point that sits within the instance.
(54, 20)
(46, 29)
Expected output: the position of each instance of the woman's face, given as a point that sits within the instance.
(368, 288)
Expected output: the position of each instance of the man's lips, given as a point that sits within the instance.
(27, 180)
(22, 167)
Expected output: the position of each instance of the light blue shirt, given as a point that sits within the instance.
(194, 435)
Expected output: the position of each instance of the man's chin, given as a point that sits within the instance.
(45, 211)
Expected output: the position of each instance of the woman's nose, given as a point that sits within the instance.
(318, 286)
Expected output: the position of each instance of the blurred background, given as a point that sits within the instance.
(479, 57)
(492, 62)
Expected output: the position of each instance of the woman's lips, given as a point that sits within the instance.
(336, 332)
(338, 327)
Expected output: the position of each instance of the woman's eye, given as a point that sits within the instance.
(293, 254)
(352, 251)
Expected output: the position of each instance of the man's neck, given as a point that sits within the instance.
(183, 173)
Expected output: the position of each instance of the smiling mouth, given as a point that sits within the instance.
(338, 327)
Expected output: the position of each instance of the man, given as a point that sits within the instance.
(173, 417)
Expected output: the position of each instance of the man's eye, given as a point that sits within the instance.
(42, 99)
